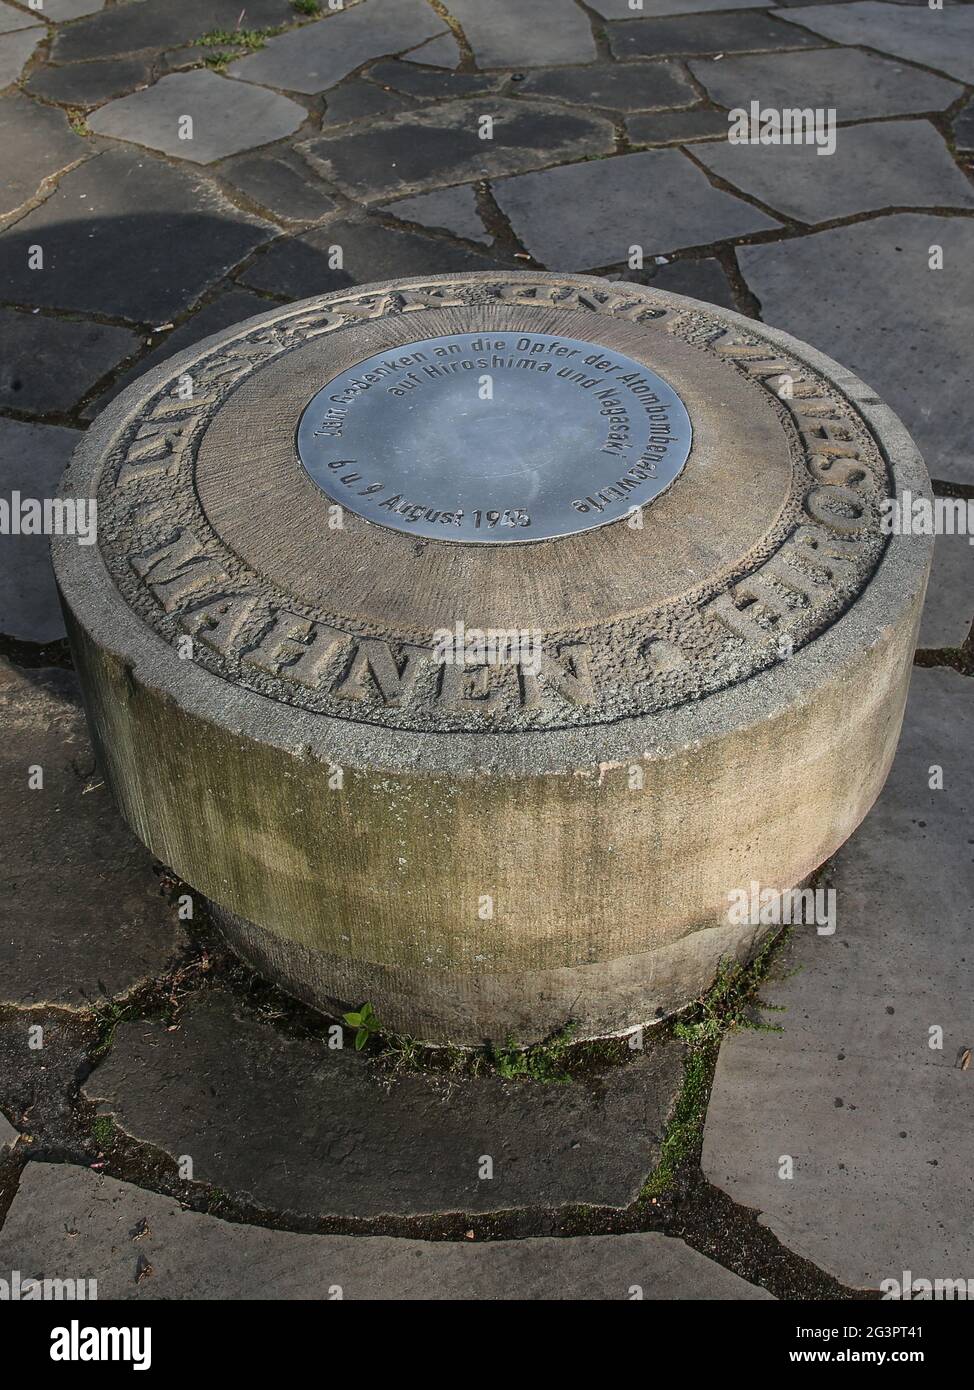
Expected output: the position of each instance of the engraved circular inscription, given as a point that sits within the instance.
(495, 438)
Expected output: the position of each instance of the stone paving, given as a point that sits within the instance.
(179, 167)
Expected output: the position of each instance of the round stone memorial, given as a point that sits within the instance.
(477, 644)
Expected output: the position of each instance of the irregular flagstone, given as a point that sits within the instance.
(558, 32)
(293, 1126)
(224, 119)
(281, 182)
(629, 87)
(948, 613)
(582, 216)
(69, 1222)
(8, 1135)
(58, 11)
(878, 1122)
(357, 99)
(881, 165)
(453, 209)
(227, 309)
(867, 294)
(316, 56)
(854, 84)
(32, 459)
(703, 279)
(131, 28)
(748, 31)
(627, 9)
(419, 82)
(36, 143)
(87, 84)
(81, 914)
(127, 235)
(43, 1051)
(12, 19)
(442, 145)
(677, 127)
(51, 363)
(15, 49)
(941, 38)
(441, 52)
(295, 267)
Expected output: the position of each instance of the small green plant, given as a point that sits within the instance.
(77, 121)
(251, 39)
(306, 6)
(103, 1130)
(107, 1018)
(364, 1022)
(543, 1061)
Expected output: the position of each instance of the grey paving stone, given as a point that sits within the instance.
(69, 1222)
(421, 82)
(881, 165)
(81, 912)
(126, 29)
(39, 1084)
(677, 127)
(294, 1126)
(879, 1124)
(59, 11)
(316, 56)
(583, 216)
(703, 279)
(948, 613)
(36, 142)
(295, 267)
(12, 19)
(225, 118)
(747, 31)
(223, 312)
(49, 364)
(32, 459)
(87, 84)
(964, 128)
(942, 39)
(441, 145)
(866, 295)
(628, 87)
(558, 32)
(281, 182)
(356, 100)
(127, 235)
(15, 49)
(441, 52)
(626, 9)
(8, 1135)
(453, 209)
(855, 84)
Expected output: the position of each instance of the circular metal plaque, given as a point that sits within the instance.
(495, 438)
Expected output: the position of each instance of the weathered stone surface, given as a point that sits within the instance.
(225, 1087)
(129, 236)
(441, 145)
(43, 1052)
(855, 84)
(295, 265)
(441, 52)
(51, 363)
(880, 165)
(15, 49)
(879, 1123)
(87, 84)
(12, 19)
(703, 279)
(225, 119)
(622, 9)
(32, 459)
(8, 1135)
(677, 127)
(750, 31)
(431, 809)
(944, 39)
(453, 209)
(280, 182)
(559, 32)
(36, 143)
(357, 99)
(628, 87)
(83, 917)
(316, 56)
(586, 215)
(131, 28)
(67, 1221)
(856, 287)
(948, 613)
(227, 309)
(415, 81)
(59, 11)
